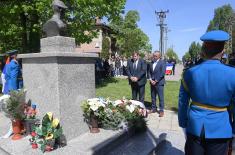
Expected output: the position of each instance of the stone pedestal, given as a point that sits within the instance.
(57, 44)
(58, 82)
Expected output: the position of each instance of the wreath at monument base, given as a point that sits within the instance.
(114, 115)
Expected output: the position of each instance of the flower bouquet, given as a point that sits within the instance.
(93, 109)
(134, 113)
(48, 135)
(30, 120)
(120, 114)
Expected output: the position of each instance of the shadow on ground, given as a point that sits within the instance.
(147, 104)
(104, 82)
(165, 147)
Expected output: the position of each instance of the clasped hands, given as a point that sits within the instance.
(134, 79)
(152, 82)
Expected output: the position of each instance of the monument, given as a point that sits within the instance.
(58, 79)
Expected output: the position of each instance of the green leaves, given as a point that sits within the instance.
(105, 48)
(49, 131)
(222, 17)
(15, 105)
(21, 21)
(194, 50)
(170, 53)
(130, 38)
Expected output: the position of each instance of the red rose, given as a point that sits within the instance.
(34, 145)
(48, 148)
(33, 134)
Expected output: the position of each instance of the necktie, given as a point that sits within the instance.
(134, 65)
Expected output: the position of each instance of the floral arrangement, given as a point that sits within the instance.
(30, 121)
(30, 110)
(48, 134)
(120, 114)
(14, 107)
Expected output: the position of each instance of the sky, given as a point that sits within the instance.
(187, 20)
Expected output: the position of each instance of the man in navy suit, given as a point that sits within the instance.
(136, 71)
(157, 81)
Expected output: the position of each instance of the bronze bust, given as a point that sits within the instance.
(55, 26)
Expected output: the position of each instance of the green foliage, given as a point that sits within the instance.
(130, 38)
(111, 119)
(194, 50)
(21, 21)
(105, 48)
(187, 56)
(48, 132)
(221, 18)
(170, 53)
(15, 105)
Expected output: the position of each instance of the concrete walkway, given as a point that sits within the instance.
(168, 131)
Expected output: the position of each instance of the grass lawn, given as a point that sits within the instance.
(116, 88)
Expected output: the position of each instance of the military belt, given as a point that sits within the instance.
(209, 107)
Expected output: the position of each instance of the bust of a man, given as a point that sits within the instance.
(55, 26)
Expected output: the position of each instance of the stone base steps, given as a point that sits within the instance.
(87, 144)
(156, 140)
(104, 143)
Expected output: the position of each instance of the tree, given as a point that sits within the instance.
(21, 21)
(187, 56)
(221, 18)
(194, 50)
(105, 48)
(129, 37)
(171, 54)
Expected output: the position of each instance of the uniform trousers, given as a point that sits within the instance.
(202, 146)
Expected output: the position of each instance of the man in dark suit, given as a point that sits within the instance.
(136, 72)
(157, 81)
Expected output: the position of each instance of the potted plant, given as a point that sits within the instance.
(30, 120)
(48, 134)
(93, 108)
(14, 109)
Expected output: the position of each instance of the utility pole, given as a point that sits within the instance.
(161, 15)
(166, 30)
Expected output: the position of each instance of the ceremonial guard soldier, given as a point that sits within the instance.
(13, 71)
(205, 94)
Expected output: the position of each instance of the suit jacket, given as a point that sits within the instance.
(139, 72)
(210, 83)
(159, 72)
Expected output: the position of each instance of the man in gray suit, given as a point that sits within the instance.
(136, 72)
(157, 81)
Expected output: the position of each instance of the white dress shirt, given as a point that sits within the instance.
(135, 63)
(155, 64)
